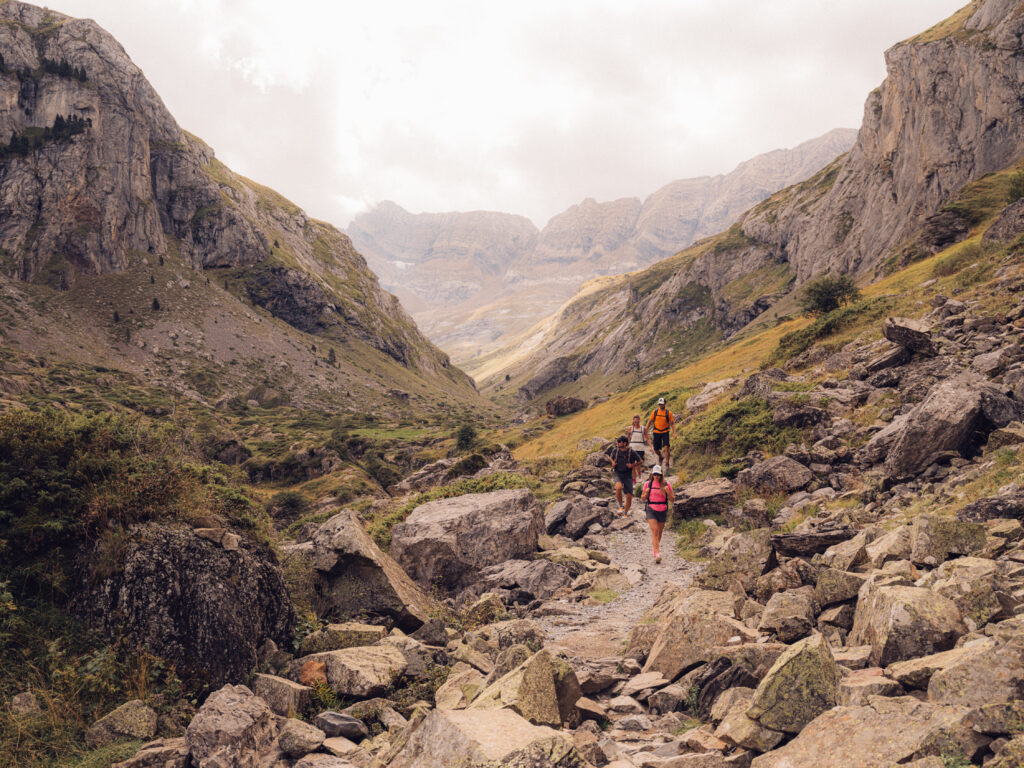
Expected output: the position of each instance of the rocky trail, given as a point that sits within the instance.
(597, 631)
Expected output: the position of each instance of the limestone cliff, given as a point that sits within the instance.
(99, 180)
(947, 114)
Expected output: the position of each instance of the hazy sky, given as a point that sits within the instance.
(526, 107)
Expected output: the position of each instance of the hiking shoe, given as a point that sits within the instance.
(657, 557)
(621, 512)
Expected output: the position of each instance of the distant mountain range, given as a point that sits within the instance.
(476, 281)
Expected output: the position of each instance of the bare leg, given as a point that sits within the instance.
(629, 502)
(618, 492)
(656, 529)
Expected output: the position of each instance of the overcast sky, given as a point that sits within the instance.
(526, 107)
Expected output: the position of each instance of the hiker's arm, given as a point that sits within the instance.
(670, 493)
(673, 426)
(646, 492)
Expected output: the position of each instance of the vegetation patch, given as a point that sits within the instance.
(795, 342)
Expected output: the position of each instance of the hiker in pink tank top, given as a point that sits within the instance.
(657, 495)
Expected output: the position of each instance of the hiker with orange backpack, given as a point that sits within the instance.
(662, 422)
(656, 497)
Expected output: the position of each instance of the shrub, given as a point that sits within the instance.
(287, 505)
(1016, 190)
(827, 293)
(465, 437)
(731, 429)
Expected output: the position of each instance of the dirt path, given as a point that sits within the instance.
(600, 631)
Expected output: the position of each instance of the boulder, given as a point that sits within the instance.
(692, 625)
(705, 498)
(298, 739)
(886, 732)
(132, 720)
(497, 738)
(334, 637)
(581, 516)
(361, 672)
(788, 414)
(200, 607)
(742, 558)
(914, 335)
(803, 683)
(25, 704)
(916, 673)
(901, 622)
(1011, 755)
(933, 539)
(982, 675)
(738, 729)
(542, 689)
(448, 542)
(463, 684)
(957, 415)
(779, 474)
(321, 760)
(286, 698)
(973, 584)
(1010, 506)
(163, 753)
(563, 405)
(835, 586)
(558, 512)
(355, 578)
(335, 724)
(233, 727)
(789, 615)
(856, 688)
(707, 395)
(526, 579)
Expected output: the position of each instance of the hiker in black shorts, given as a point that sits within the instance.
(623, 459)
(657, 495)
(661, 422)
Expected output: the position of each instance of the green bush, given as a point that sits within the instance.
(795, 342)
(287, 505)
(826, 294)
(731, 429)
(465, 437)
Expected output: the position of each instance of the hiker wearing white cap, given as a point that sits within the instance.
(657, 494)
(662, 422)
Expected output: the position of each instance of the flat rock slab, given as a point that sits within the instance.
(488, 738)
(361, 672)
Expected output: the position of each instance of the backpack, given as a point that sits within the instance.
(653, 504)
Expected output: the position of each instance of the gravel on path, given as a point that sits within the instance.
(600, 631)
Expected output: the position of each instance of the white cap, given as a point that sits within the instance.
(661, 401)
(656, 470)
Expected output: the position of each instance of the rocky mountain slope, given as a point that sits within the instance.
(125, 242)
(944, 117)
(477, 280)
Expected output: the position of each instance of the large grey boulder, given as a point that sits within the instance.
(789, 615)
(233, 727)
(779, 474)
(355, 578)
(202, 607)
(886, 732)
(704, 498)
(914, 335)
(982, 675)
(448, 542)
(542, 689)
(803, 683)
(690, 628)
(360, 672)
(538, 579)
(132, 720)
(741, 559)
(957, 413)
(902, 622)
(495, 738)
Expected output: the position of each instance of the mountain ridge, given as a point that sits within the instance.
(473, 280)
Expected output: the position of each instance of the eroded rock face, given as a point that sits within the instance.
(449, 541)
(203, 608)
(357, 579)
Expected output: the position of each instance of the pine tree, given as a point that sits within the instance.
(161, 261)
(152, 280)
(117, 317)
(332, 358)
(156, 305)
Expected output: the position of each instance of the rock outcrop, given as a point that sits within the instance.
(204, 608)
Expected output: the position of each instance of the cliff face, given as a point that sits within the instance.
(947, 114)
(475, 281)
(98, 180)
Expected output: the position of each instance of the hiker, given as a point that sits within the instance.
(636, 433)
(624, 459)
(656, 496)
(663, 421)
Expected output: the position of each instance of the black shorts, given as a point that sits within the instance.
(660, 440)
(639, 453)
(626, 478)
(653, 514)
